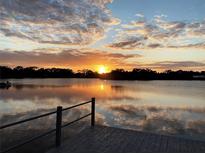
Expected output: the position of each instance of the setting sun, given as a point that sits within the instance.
(102, 69)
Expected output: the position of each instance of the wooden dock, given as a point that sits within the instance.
(107, 139)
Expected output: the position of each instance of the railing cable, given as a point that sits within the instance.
(59, 125)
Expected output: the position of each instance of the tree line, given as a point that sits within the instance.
(117, 74)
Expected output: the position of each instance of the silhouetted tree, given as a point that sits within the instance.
(86, 73)
(117, 74)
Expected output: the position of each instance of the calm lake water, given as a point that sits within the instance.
(166, 107)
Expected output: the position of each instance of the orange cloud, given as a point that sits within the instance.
(74, 58)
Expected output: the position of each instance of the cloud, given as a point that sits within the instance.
(191, 45)
(89, 58)
(169, 120)
(129, 111)
(170, 65)
(85, 58)
(177, 65)
(131, 43)
(69, 22)
(139, 15)
(160, 33)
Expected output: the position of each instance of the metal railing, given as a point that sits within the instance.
(59, 125)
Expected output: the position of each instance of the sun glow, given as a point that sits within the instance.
(101, 87)
(102, 69)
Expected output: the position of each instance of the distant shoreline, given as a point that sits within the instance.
(112, 79)
(20, 72)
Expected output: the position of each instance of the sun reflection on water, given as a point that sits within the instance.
(150, 106)
(102, 87)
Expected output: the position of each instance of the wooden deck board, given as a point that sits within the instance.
(108, 139)
(163, 143)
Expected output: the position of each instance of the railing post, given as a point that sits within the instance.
(58, 125)
(93, 112)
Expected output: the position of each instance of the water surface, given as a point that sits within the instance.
(165, 107)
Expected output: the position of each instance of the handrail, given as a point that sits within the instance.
(76, 120)
(40, 116)
(76, 105)
(58, 123)
(26, 120)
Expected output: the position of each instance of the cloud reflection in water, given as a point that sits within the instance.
(157, 106)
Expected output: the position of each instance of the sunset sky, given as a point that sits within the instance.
(86, 34)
